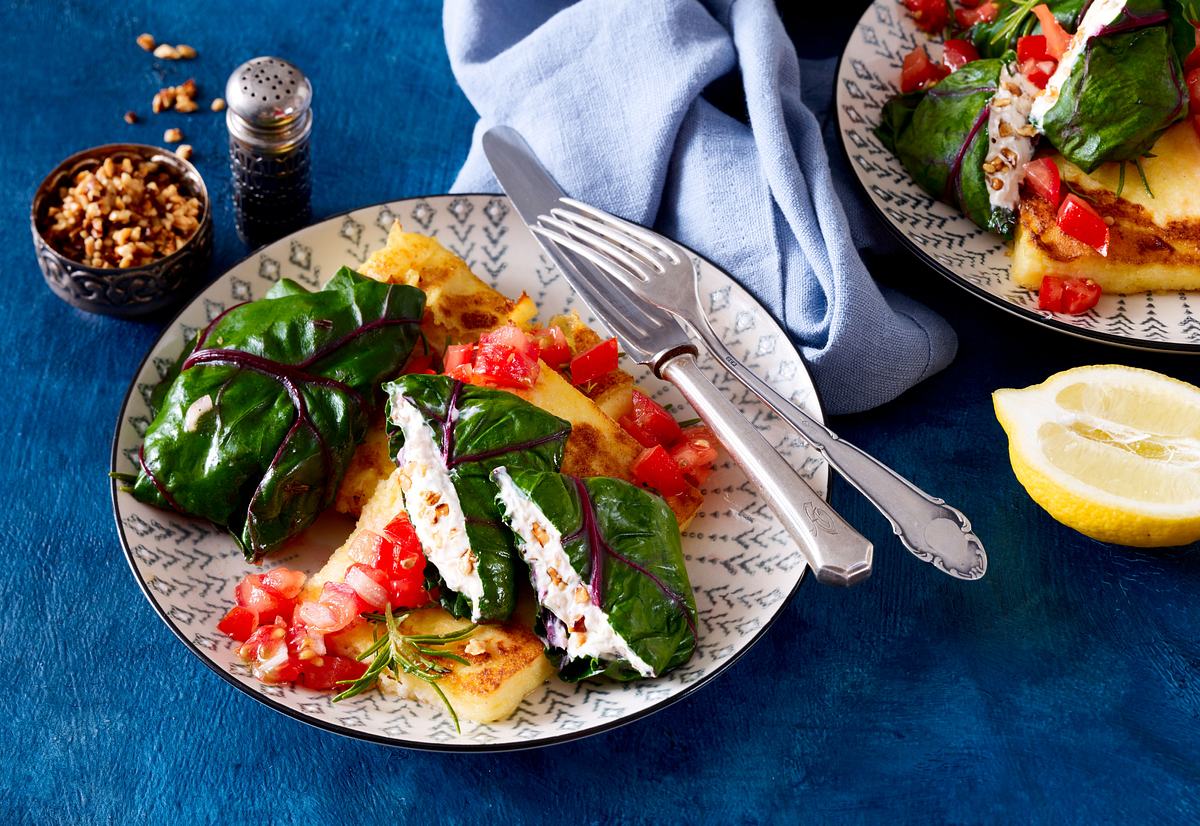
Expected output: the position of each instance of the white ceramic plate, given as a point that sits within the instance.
(945, 238)
(743, 566)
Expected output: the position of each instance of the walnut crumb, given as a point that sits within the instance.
(165, 51)
(474, 648)
(218, 104)
(173, 136)
(539, 533)
(146, 41)
(131, 117)
(554, 577)
(184, 150)
(186, 52)
(581, 594)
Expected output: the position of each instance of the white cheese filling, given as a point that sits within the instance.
(1010, 139)
(559, 587)
(433, 505)
(1099, 15)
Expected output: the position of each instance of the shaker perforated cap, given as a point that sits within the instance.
(268, 93)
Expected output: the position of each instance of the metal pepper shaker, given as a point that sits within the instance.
(269, 117)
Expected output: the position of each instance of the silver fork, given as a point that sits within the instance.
(661, 272)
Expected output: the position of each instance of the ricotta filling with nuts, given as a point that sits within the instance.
(433, 505)
(1010, 139)
(1099, 14)
(559, 586)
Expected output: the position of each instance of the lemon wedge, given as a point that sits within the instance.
(1111, 451)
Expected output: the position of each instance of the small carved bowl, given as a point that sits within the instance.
(135, 291)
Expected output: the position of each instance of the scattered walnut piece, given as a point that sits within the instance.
(131, 117)
(539, 533)
(554, 577)
(218, 104)
(165, 51)
(146, 41)
(186, 52)
(173, 136)
(184, 150)
(185, 105)
(121, 213)
(581, 594)
(163, 99)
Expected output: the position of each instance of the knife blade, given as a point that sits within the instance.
(837, 553)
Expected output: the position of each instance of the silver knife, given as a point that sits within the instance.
(837, 553)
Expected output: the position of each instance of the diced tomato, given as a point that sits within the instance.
(553, 345)
(1077, 218)
(1192, 61)
(325, 673)
(981, 13)
(305, 643)
(337, 608)
(370, 586)
(285, 581)
(1032, 47)
(694, 452)
(1193, 84)
(957, 53)
(268, 655)
(239, 623)
(1080, 295)
(919, 71)
(594, 362)
(1038, 72)
(500, 365)
(1057, 39)
(630, 425)
(654, 420)
(403, 564)
(1068, 295)
(456, 356)
(930, 15)
(1050, 296)
(1045, 181)
(510, 335)
(655, 468)
(262, 599)
(420, 364)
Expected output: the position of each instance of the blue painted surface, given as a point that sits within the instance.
(1065, 685)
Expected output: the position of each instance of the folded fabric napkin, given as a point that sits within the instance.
(609, 93)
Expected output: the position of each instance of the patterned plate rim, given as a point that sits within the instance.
(1032, 316)
(399, 742)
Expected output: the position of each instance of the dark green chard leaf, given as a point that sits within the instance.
(478, 429)
(1123, 93)
(623, 541)
(291, 381)
(1184, 16)
(1015, 19)
(941, 139)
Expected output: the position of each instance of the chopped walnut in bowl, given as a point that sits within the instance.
(119, 229)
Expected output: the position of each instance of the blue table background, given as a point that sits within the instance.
(1066, 684)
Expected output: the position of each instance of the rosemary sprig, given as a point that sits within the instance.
(413, 654)
(1014, 20)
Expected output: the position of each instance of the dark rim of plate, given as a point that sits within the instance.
(1041, 318)
(346, 731)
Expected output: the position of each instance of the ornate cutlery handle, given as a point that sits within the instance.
(932, 530)
(837, 553)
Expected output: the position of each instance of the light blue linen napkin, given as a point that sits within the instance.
(609, 95)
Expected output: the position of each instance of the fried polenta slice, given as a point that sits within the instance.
(506, 660)
(1154, 239)
(458, 305)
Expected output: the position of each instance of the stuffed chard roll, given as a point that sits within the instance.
(447, 437)
(1116, 89)
(256, 423)
(605, 561)
(965, 140)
